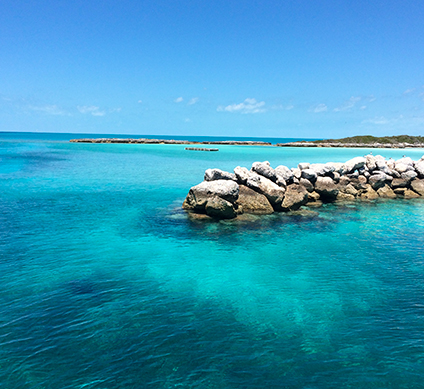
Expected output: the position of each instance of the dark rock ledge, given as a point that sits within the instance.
(264, 190)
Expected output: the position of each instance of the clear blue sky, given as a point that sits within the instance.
(307, 68)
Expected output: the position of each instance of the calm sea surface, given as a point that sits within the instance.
(106, 283)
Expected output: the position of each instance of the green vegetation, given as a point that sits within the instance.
(369, 139)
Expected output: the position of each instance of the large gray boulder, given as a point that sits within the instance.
(419, 168)
(199, 195)
(297, 173)
(349, 189)
(326, 188)
(309, 174)
(370, 162)
(218, 174)
(250, 201)
(264, 169)
(307, 184)
(383, 167)
(273, 192)
(323, 169)
(219, 208)
(352, 165)
(303, 165)
(400, 183)
(409, 175)
(359, 183)
(418, 186)
(296, 196)
(284, 173)
(386, 192)
(369, 193)
(378, 180)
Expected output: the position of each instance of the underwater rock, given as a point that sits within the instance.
(219, 208)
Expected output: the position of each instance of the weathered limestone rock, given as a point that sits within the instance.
(273, 192)
(335, 176)
(296, 196)
(409, 175)
(307, 184)
(378, 180)
(326, 188)
(313, 197)
(359, 183)
(344, 197)
(369, 193)
(419, 167)
(401, 167)
(242, 174)
(405, 161)
(253, 202)
(284, 172)
(265, 170)
(297, 173)
(400, 191)
(370, 162)
(199, 195)
(303, 165)
(399, 183)
(386, 192)
(323, 169)
(218, 174)
(410, 194)
(219, 208)
(418, 186)
(382, 167)
(309, 174)
(350, 190)
(352, 165)
(344, 181)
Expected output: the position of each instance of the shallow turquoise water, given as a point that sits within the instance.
(105, 282)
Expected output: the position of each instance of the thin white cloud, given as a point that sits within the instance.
(409, 91)
(348, 105)
(91, 109)
(187, 120)
(194, 100)
(249, 105)
(281, 107)
(178, 100)
(380, 120)
(319, 108)
(49, 110)
(140, 101)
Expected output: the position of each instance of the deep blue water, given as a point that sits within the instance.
(106, 283)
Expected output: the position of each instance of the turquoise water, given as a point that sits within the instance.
(106, 283)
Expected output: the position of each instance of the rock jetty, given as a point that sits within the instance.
(264, 190)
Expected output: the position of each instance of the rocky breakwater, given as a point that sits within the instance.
(264, 190)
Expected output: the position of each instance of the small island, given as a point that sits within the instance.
(367, 141)
(265, 190)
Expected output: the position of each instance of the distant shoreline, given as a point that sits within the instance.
(367, 141)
